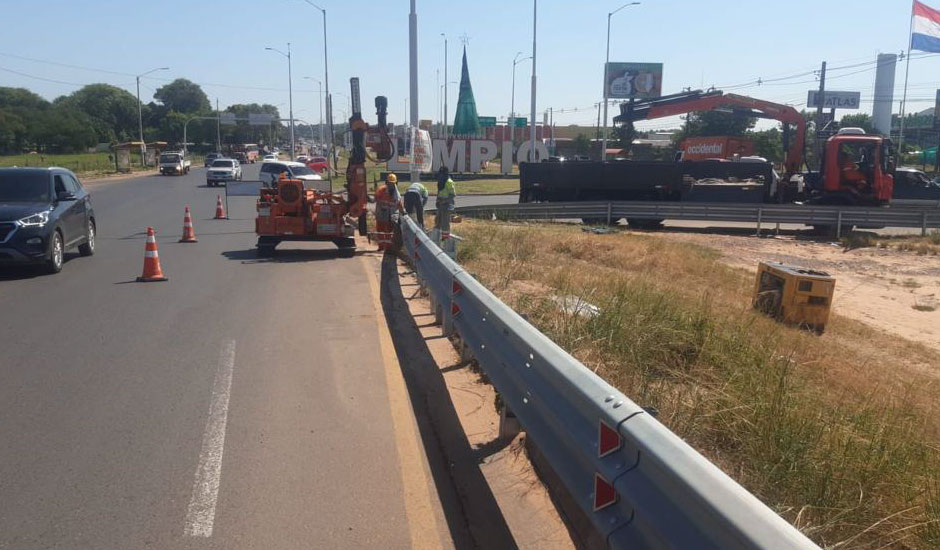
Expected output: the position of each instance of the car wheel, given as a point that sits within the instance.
(56, 254)
(88, 248)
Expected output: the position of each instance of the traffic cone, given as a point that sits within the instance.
(189, 235)
(152, 272)
(219, 209)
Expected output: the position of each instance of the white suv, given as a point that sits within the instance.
(271, 172)
(223, 170)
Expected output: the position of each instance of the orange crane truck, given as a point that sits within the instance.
(290, 212)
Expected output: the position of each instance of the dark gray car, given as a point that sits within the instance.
(43, 213)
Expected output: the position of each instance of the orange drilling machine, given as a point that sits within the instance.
(291, 212)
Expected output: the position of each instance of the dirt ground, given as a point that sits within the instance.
(891, 290)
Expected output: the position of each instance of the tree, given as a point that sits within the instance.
(21, 98)
(717, 123)
(183, 96)
(582, 145)
(768, 144)
(62, 130)
(12, 132)
(112, 110)
(859, 120)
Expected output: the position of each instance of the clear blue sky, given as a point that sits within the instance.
(220, 45)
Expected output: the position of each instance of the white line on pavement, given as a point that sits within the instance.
(201, 513)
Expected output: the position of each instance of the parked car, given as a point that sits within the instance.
(43, 213)
(913, 188)
(271, 172)
(212, 157)
(318, 164)
(174, 163)
(223, 170)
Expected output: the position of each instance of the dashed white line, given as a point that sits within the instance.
(200, 515)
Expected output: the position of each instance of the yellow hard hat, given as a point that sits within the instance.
(392, 178)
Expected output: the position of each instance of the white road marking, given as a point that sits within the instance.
(201, 513)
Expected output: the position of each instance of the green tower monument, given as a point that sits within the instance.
(466, 121)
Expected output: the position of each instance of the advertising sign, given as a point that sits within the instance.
(260, 119)
(636, 80)
(421, 150)
(834, 100)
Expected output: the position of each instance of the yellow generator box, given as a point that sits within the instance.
(794, 295)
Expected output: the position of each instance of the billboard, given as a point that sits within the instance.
(260, 119)
(636, 80)
(834, 100)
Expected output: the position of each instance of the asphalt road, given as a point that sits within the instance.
(242, 404)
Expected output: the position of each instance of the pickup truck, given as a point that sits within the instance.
(174, 163)
(222, 171)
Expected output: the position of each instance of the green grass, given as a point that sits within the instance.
(473, 187)
(838, 433)
(83, 164)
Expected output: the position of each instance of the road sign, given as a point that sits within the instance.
(637, 80)
(227, 119)
(834, 100)
(487, 121)
(260, 119)
(520, 122)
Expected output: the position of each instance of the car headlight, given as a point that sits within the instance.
(36, 220)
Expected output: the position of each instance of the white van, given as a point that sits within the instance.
(271, 172)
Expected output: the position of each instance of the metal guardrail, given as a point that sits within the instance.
(838, 216)
(640, 484)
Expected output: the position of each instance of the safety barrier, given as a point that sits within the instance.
(837, 216)
(640, 484)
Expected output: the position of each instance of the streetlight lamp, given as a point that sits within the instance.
(290, 95)
(320, 102)
(512, 109)
(607, 62)
(326, 82)
(140, 112)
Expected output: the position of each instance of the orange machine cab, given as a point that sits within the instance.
(868, 180)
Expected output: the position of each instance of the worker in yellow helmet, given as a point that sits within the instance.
(387, 202)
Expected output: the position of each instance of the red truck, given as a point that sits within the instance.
(715, 147)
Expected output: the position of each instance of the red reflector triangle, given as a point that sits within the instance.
(457, 288)
(454, 309)
(608, 440)
(417, 242)
(604, 493)
(416, 255)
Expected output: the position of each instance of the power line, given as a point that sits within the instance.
(42, 78)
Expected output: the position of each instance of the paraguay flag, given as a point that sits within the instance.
(925, 29)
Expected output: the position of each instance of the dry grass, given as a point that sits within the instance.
(838, 433)
(928, 245)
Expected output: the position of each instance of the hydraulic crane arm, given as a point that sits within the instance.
(716, 100)
(356, 171)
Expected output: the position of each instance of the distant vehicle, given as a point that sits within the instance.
(270, 157)
(317, 164)
(241, 157)
(249, 150)
(302, 158)
(913, 188)
(174, 163)
(223, 170)
(211, 157)
(271, 172)
(43, 213)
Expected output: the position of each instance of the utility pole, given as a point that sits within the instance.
(535, 8)
(446, 129)
(606, 91)
(218, 127)
(413, 62)
(820, 101)
(140, 114)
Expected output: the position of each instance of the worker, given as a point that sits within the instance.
(849, 169)
(416, 197)
(446, 195)
(387, 203)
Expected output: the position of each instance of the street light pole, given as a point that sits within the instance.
(320, 103)
(446, 129)
(326, 82)
(535, 6)
(140, 113)
(606, 92)
(512, 108)
(290, 94)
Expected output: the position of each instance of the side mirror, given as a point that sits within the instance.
(65, 196)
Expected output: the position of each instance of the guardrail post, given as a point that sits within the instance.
(839, 224)
(509, 424)
(760, 213)
(923, 223)
(609, 208)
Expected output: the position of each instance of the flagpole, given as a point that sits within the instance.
(907, 70)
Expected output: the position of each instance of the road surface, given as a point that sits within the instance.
(242, 404)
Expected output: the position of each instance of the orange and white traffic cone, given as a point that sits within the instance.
(189, 234)
(152, 272)
(219, 209)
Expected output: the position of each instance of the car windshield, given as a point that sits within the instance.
(169, 158)
(301, 171)
(223, 164)
(24, 187)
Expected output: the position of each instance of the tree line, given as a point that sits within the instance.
(102, 113)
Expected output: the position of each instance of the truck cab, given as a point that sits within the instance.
(857, 169)
(174, 163)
